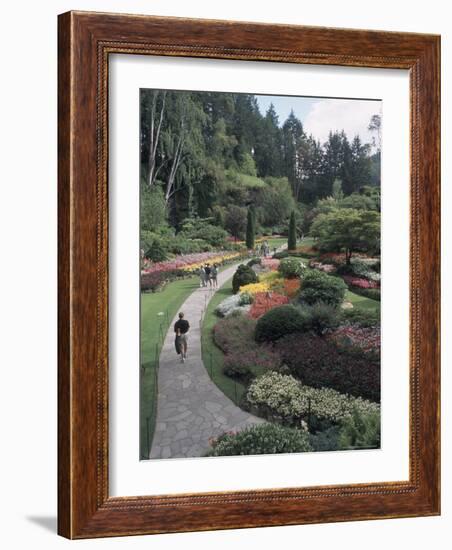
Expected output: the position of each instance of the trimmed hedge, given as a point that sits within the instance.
(320, 287)
(261, 439)
(279, 322)
(243, 276)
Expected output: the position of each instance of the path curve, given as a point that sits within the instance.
(190, 407)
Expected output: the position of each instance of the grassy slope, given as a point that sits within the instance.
(212, 356)
(361, 302)
(167, 301)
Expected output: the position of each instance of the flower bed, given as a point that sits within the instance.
(264, 301)
(263, 439)
(278, 396)
(270, 263)
(360, 282)
(326, 268)
(367, 339)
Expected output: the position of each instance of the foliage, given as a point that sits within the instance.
(372, 293)
(156, 252)
(203, 229)
(320, 317)
(243, 276)
(278, 322)
(348, 229)
(291, 268)
(154, 281)
(317, 286)
(274, 394)
(359, 282)
(360, 431)
(152, 208)
(292, 241)
(234, 335)
(291, 287)
(235, 220)
(250, 229)
(361, 317)
(321, 362)
(261, 439)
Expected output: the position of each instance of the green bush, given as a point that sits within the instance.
(279, 322)
(317, 286)
(320, 317)
(243, 276)
(261, 439)
(360, 430)
(202, 229)
(280, 255)
(157, 251)
(291, 268)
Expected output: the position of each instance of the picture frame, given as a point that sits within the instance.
(86, 40)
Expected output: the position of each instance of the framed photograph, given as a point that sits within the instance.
(248, 275)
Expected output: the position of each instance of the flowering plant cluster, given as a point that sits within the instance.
(264, 301)
(334, 258)
(360, 282)
(326, 268)
(191, 262)
(254, 288)
(270, 263)
(366, 338)
(291, 287)
(285, 396)
(261, 439)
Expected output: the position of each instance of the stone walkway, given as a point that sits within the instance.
(190, 408)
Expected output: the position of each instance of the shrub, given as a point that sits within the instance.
(225, 307)
(261, 439)
(291, 268)
(291, 287)
(326, 440)
(153, 281)
(254, 261)
(320, 287)
(360, 431)
(246, 364)
(321, 362)
(280, 396)
(243, 276)
(156, 252)
(320, 317)
(361, 317)
(234, 333)
(279, 322)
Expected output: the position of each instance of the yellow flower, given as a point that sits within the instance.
(253, 288)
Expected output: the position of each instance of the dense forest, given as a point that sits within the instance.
(207, 158)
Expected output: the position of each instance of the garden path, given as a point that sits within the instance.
(190, 407)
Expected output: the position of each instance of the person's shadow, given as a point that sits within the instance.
(49, 523)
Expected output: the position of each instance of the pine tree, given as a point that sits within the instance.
(250, 229)
(292, 240)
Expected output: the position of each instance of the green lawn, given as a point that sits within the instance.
(361, 302)
(212, 356)
(153, 331)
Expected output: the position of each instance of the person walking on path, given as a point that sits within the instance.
(214, 276)
(181, 328)
(208, 271)
(202, 277)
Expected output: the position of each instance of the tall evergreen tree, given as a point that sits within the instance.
(295, 153)
(292, 240)
(250, 229)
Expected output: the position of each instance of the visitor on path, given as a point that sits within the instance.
(214, 276)
(202, 277)
(208, 271)
(181, 328)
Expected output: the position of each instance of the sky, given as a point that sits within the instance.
(320, 115)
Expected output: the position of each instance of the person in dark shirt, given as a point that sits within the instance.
(181, 328)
